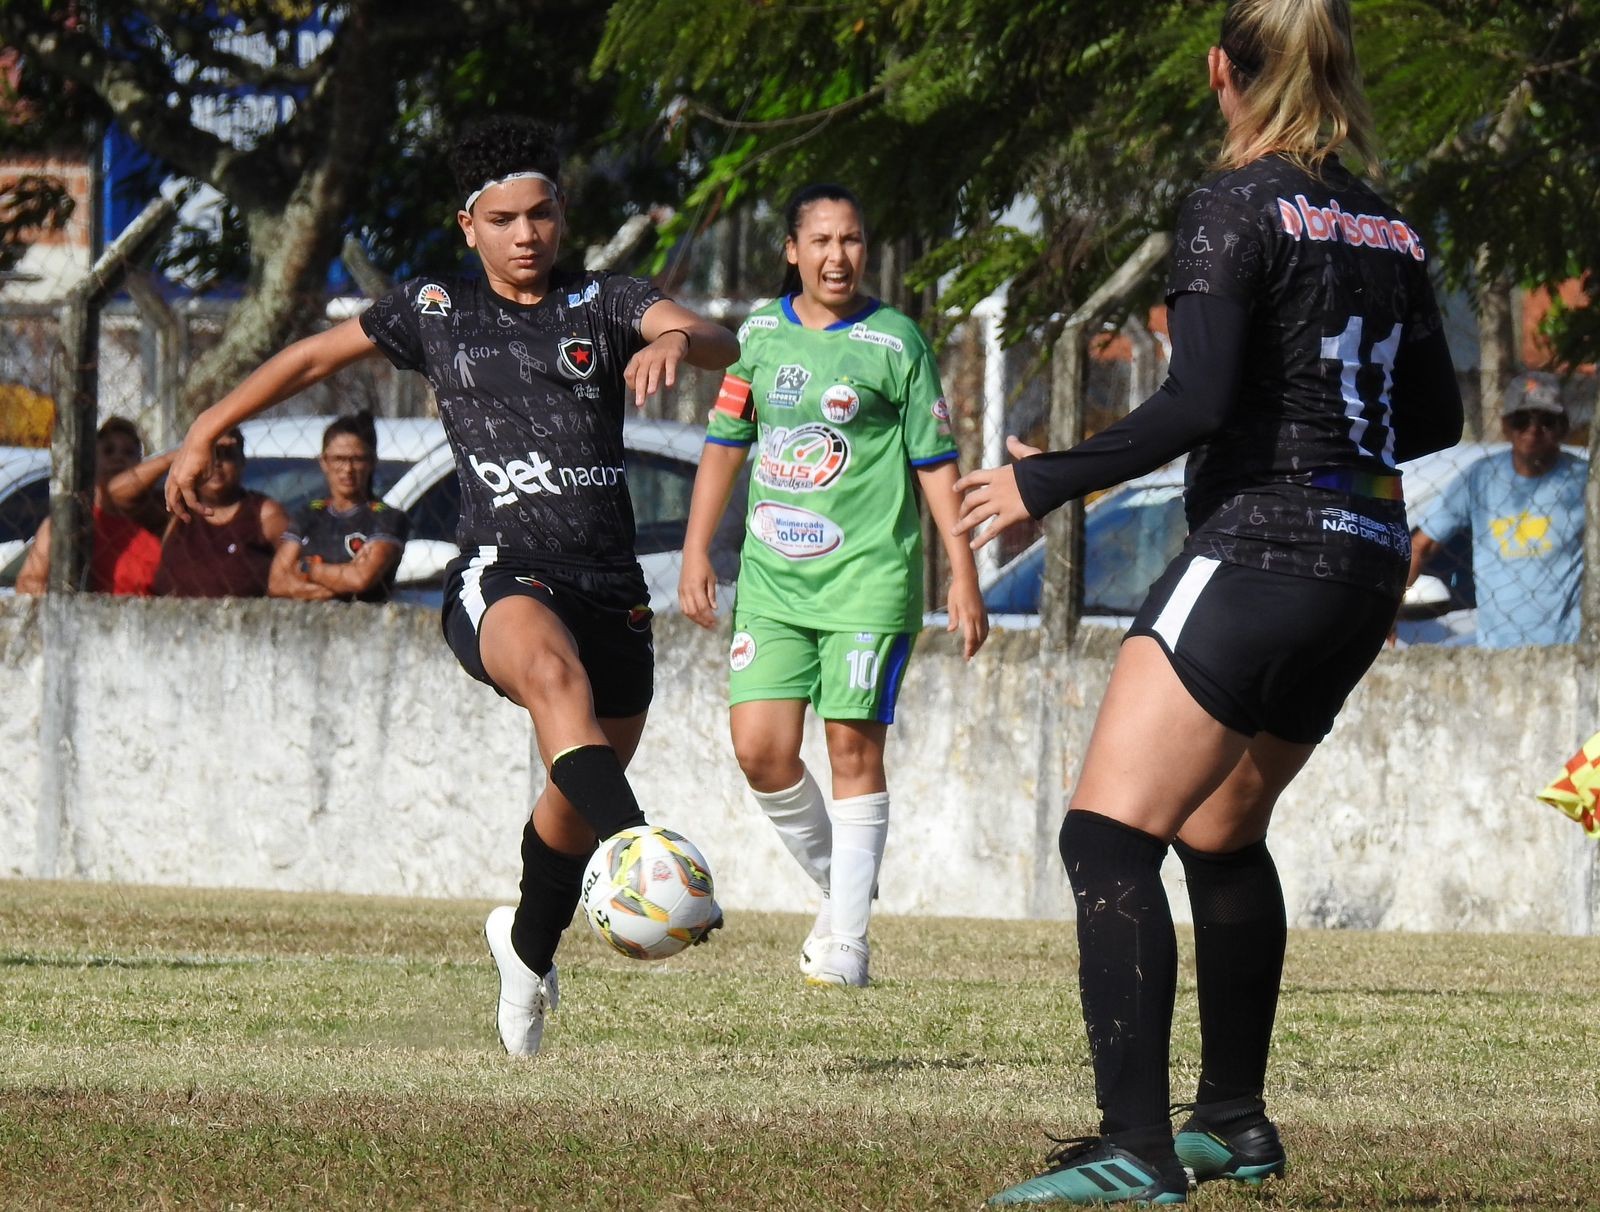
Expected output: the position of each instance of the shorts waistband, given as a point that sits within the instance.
(1358, 483)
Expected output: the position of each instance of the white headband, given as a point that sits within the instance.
(493, 181)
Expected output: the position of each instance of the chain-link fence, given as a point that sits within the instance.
(1503, 548)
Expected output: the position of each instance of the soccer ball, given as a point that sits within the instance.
(647, 892)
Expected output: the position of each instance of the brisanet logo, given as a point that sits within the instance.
(537, 474)
(795, 534)
(1332, 222)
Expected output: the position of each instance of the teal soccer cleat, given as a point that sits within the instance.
(1232, 1139)
(1094, 1170)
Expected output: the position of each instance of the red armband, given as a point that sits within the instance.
(734, 398)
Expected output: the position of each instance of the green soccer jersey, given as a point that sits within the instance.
(839, 417)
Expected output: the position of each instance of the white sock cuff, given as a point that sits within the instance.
(803, 791)
(870, 809)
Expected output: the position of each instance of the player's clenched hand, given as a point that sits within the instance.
(990, 494)
(655, 367)
(697, 588)
(192, 462)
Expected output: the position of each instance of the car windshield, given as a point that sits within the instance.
(1129, 539)
(293, 482)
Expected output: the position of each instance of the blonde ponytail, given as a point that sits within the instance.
(1300, 91)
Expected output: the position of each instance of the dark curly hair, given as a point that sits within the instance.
(493, 147)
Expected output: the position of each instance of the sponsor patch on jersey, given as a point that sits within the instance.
(354, 543)
(733, 398)
(941, 413)
(787, 385)
(1331, 222)
(866, 637)
(860, 332)
(433, 300)
(575, 357)
(807, 458)
(591, 291)
(794, 533)
(840, 403)
(756, 324)
(742, 651)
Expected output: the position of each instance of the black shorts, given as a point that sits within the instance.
(1265, 651)
(605, 609)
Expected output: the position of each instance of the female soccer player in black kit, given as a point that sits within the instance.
(532, 367)
(1307, 360)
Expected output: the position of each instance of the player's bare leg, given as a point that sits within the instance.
(531, 656)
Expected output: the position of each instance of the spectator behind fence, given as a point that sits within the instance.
(348, 544)
(227, 550)
(127, 527)
(1524, 510)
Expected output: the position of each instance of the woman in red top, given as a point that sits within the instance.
(126, 548)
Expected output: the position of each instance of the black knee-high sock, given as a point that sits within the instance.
(1127, 966)
(550, 887)
(591, 777)
(1240, 930)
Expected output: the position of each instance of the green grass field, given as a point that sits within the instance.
(166, 1048)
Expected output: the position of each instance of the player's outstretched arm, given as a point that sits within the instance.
(287, 372)
(990, 494)
(675, 334)
(713, 485)
(965, 602)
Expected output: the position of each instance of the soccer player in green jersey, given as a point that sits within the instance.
(841, 396)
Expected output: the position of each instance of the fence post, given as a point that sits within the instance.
(1590, 601)
(1061, 593)
(77, 391)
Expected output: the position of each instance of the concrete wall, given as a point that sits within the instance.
(276, 745)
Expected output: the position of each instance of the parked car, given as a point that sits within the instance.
(661, 459)
(24, 503)
(1133, 531)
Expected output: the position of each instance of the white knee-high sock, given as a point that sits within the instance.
(860, 827)
(800, 815)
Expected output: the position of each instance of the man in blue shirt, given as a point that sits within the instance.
(1524, 510)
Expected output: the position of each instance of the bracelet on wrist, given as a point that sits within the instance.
(688, 340)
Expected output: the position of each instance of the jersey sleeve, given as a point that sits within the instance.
(391, 324)
(389, 525)
(1218, 249)
(924, 413)
(733, 418)
(623, 302)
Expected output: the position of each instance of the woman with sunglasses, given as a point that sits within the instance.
(346, 545)
(226, 551)
(1308, 358)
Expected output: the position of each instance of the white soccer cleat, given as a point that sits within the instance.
(525, 997)
(840, 961)
(817, 941)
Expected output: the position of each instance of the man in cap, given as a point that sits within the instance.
(1524, 510)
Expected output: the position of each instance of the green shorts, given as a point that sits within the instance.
(847, 675)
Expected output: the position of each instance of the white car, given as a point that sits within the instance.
(1133, 531)
(661, 459)
(24, 503)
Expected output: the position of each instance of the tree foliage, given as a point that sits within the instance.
(364, 147)
(945, 113)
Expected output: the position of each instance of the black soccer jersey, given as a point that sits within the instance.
(1336, 288)
(334, 537)
(532, 400)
